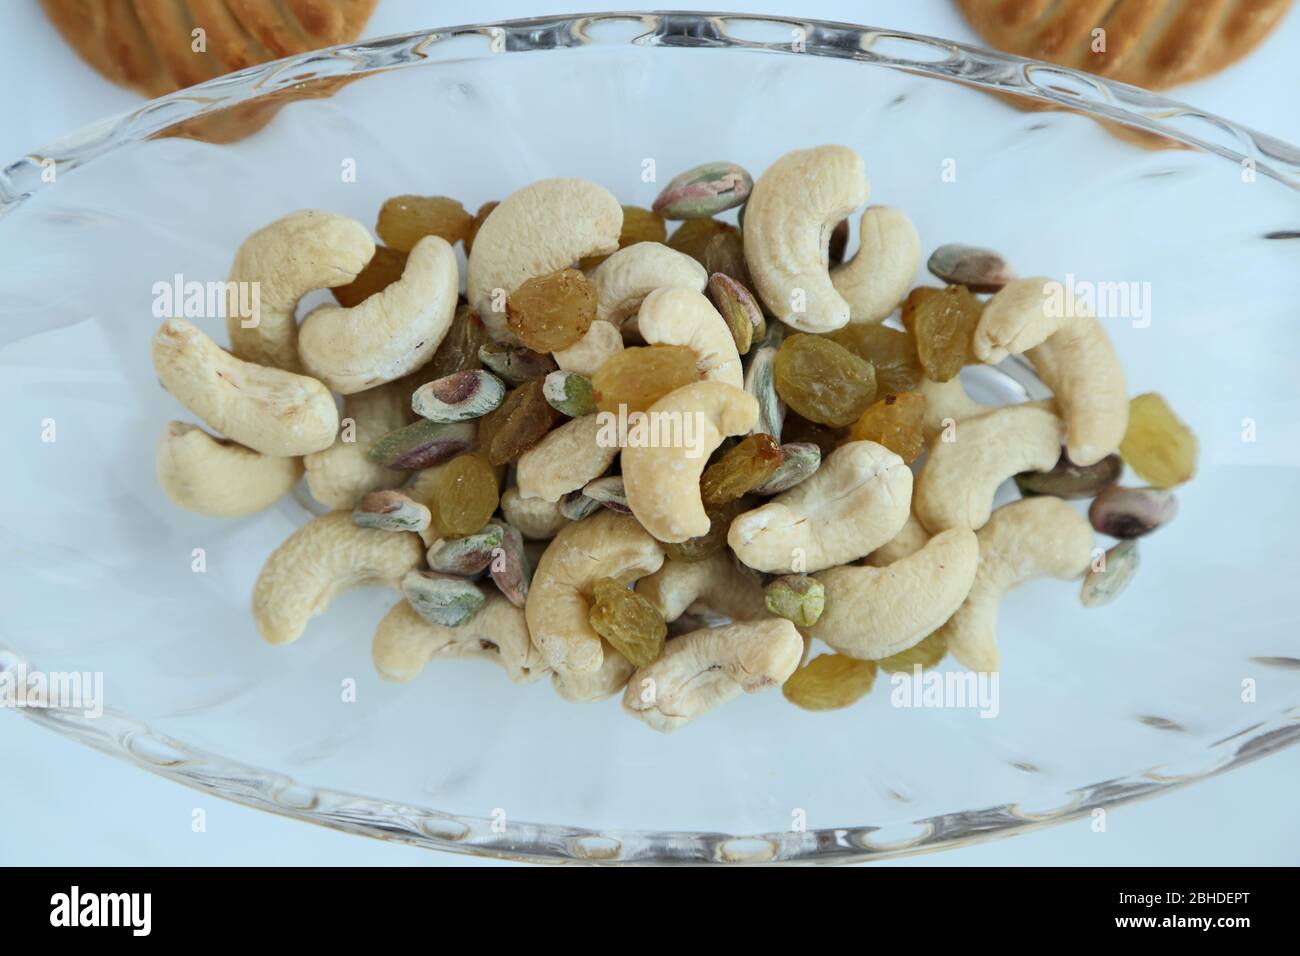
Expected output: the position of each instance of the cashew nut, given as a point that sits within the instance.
(1079, 364)
(534, 231)
(1015, 319)
(715, 584)
(392, 332)
(702, 669)
(325, 557)
(873, 613)
(788, 221)
(565, 460)
(857, 501)
(601, 342)
(663, 483)
(405, 642)
(267, 409)
(911, 538)
(624, 279)
(944, 402)
(305, 250)
(536, 518)
(877, 278)
(1029, 538)
(219, 478)
(685, 317)
(605, 545)
(605, 681)
(342, 474)
(956, 486)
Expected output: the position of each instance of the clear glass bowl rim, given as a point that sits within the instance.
(130, 739)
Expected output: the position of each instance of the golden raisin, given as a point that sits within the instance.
(829, 682)
(517, 424)
(895, 422)
(464, 495)
(476, 224)
(639, 225)
(928, 653)
(552, 312)
(628, 621)
(405, 220)
(799, 429)
(892, 352)
(384, 268)
(694, 235)
(943, 321)
(725, 253)
(713, 540)
(745, 466)
(822, 381)
(458, 351)
(636, 378)
(1157, 445)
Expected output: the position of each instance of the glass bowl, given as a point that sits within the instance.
(1194, 670)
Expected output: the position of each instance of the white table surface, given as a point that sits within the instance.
(64, 804)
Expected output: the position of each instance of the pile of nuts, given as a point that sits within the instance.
(663, 465)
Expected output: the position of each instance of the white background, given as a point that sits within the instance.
(64, 804)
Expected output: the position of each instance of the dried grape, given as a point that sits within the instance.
(744, 467)
(928, 653)
(713, 540)
(1157, 445)
(639, 225)
(829, 682)
(892, 352)
(405, 220)
(628, 621)
(552, 312)
(384, 268)
(519, 423)
(943, 321)
(822, 381)
(636, 378)
(798, 430)
(895, 422)
(464, 495)
(693, 236)
(458, 351)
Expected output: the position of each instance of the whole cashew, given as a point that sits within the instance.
(325, 557)
(305, 250)
(1078, 363)
(536, 518)
(606, 681)
(956, 486)
(714, 584)
(535, 231)
(1015, 319)
(601, 342)
(624, 279)
(1029, 538)
(392, 332)
(873, 613)
(663, 483)
(342, 474)
(702, 669)
(684, 317)
(267, 409)
(604, 545)
(877, 278)
(565, 460)
(788, 220)
(405, 642)
(856, 501)
(219, 478)
(911, 538)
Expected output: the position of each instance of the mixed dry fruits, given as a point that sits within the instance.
(830, 480)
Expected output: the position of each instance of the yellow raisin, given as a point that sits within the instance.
(694, 235)
(552, 312)
(477, 223)
(822, 381)
(829, 682)
(725, 253)
(639, 225)
(895, 422)
(636, 378)
(1158, 445)
(384, 268)
(892, 352)
(928, 653)
(405, 220)
(458, 350)
(628, 621)
(464, 495)
(799, 429)
(745, 466)
(517, 424)
(715, 539)
(943, 322)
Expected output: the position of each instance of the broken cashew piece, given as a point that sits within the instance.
(565, 460)
(1029, 538)
(702, 669)
(956, 486)
(266, 409)
(714, 584)
(306, 250)
(535, 231)
(663, 483)
(624, 279)
(878, 276)
(342, 474)
(536, 518)
(322, 559)
(601, 342)
(405, 642)
(684, 317)
(856, 501)
(219, 478)
(872, 613)
(788, 221)
(392, 332)
(605, 545)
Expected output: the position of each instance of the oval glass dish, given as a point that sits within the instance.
(1193, 670)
